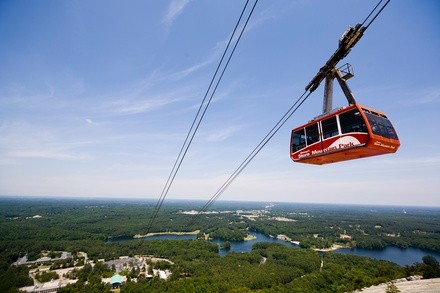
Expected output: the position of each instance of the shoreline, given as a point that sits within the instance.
(333, 248)
(195, 232)
(250, 237)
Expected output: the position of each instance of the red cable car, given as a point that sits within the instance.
(347, 133)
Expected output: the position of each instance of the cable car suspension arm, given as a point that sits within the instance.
(348, 40)
(346, 43)
(341, 74)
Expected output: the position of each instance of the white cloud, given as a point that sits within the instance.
(187, 71)
(176, 7)
(223, 134)
(134, 104)
(24, 140)
(57, 154)
(429, 97)
(143, 106)
(423, 96)
(22, 96)
(152, 93)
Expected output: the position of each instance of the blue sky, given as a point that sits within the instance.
(96, 98)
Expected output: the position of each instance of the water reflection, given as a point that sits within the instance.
(397, 255)
(246, 246)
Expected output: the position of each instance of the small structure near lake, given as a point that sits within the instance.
(116, 281)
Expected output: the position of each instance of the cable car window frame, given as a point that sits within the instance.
(381, 125)
(300, 135)
(327, 131)
(312, 134)
(352, 121)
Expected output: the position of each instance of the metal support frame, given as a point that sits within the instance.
(327, 104)
(328, 89)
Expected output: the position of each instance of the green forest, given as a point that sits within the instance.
(31, 226)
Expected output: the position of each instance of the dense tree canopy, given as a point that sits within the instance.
(29, 228)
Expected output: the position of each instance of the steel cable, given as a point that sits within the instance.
(271, 133)
(200, 114)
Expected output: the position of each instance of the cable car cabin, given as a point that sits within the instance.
(347, 133)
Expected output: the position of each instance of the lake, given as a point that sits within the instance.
(397, 255)
(246, 246)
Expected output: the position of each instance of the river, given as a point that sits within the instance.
(397, 255)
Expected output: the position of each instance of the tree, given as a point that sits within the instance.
(15, 277)
(226, 245)
(44, 277)
(391, 288)
(431, 268)
(430, 260)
